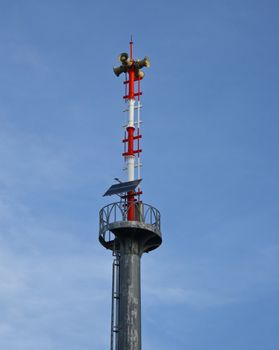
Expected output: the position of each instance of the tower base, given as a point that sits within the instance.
(130, 239)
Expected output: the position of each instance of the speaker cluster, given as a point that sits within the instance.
(127, 63)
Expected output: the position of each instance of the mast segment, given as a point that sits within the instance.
(133, 73)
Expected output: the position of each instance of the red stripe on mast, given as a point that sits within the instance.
(131, 84)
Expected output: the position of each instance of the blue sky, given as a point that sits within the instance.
(210, 138)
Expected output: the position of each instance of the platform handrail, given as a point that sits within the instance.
(118, 211)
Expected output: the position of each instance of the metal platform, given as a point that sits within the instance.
(145, 227)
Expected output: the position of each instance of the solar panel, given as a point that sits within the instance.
(122, 187)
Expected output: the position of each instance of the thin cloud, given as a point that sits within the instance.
(27, 55)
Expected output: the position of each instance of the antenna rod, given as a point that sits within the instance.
(131, 47)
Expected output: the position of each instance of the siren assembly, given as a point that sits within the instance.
(128, 63)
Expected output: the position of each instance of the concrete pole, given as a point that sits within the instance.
(130, 294)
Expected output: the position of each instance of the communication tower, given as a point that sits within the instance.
(129, 227)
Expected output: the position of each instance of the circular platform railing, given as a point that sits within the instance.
(117, 212)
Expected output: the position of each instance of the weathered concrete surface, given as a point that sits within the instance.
(134, 238)
(146, 234)
(130, 295)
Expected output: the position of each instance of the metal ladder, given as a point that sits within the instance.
(114, 345)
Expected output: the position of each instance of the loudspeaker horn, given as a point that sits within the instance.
(139, 73)
(123, 57)
(119, 70)
(144, 63)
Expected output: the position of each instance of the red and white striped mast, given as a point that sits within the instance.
(133, 73)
